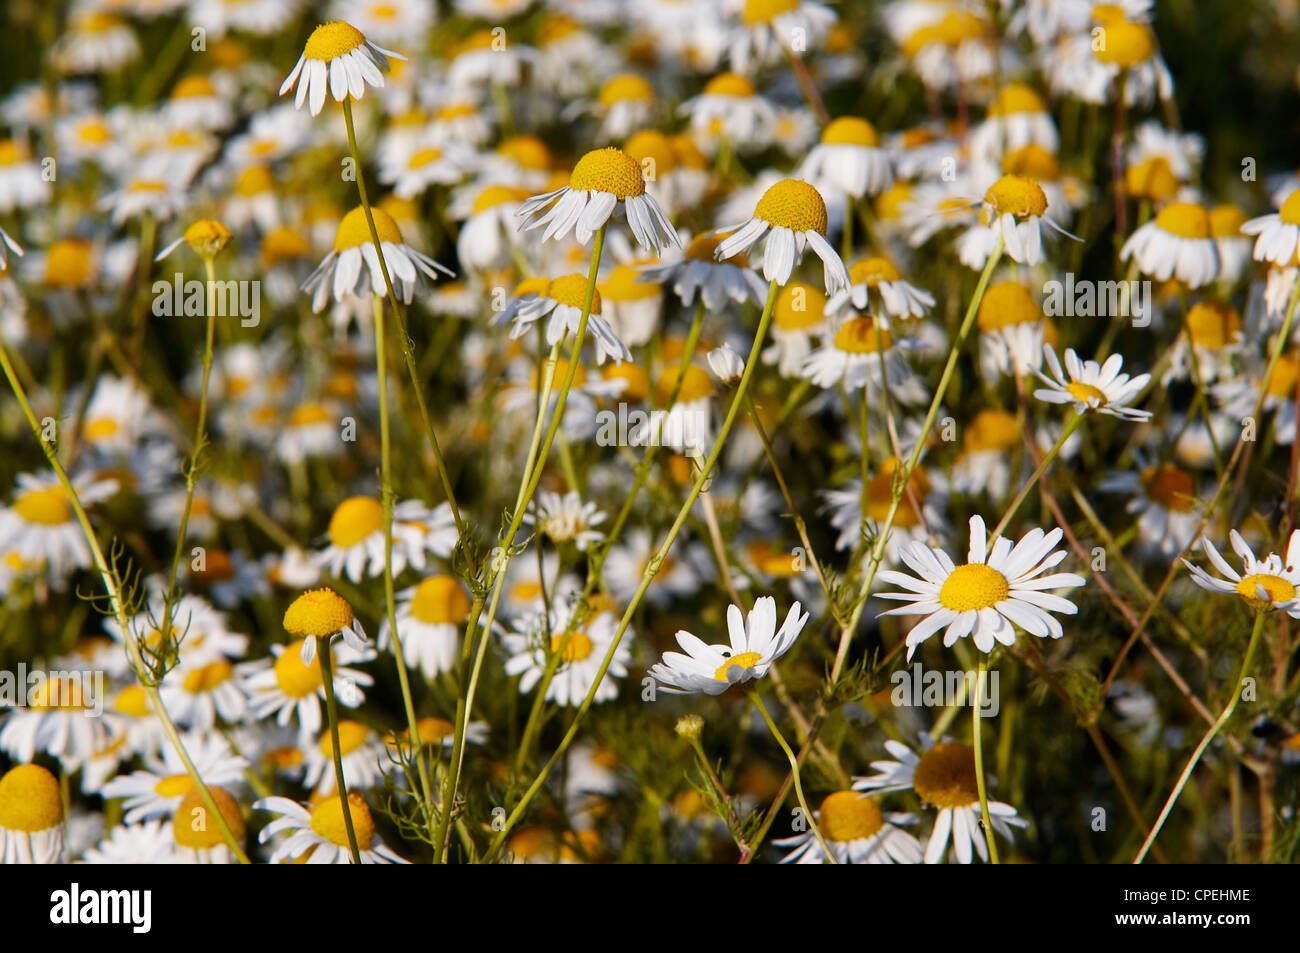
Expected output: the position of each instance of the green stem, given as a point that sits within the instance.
(976, 718)
(1043, 464)
(794, 770)
(332, 713)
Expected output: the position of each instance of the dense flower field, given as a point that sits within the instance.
(691, 431)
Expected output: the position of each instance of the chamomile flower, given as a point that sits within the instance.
(361, 750)
(1269, 583)
(158, 789)
(40, 526)
(943, 776)
(540, 633)
(96, 41)
(339, 60)
(317, 616)
(567, 519)
(339, 274)
(1165, 496)
(429, 616)
(849, 159)
(562, 304)
(22, 182)
(1090, 386)
(857, 832)
(147, 843)
(863, 352)
(715, 280)
(875, 283)
(766, 27)
(198, 839)
(1018, 117)
(792, 216)
(798, 314)
(983, 464)
(919, 510)
(61, 720)
(988, 596)
(284, 687)
(1278, 234)
(1014, 206)
(755, 643)
(356, 537)
(1013, 330)
(428, 164)
(1177, 243)
(31, 816)
(730, 108)
(197, 695)
(600, 182)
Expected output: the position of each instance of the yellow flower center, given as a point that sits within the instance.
(1016, 98)
(729, 84)
(440, 600)
(1213, 324)
(696, 385)
(1290, 210)
(295, 679)
(1152, 179)
(69, 264)
(771, 560)
(207, 677)
(354, 231)
(132, 701)
(872, 271)
(880, 495)
(561, 371)
(355, 519)
(495, 195)
(352, 735)
(528, 151)
(1226, 220)
(637, 382)
(1032, 161)
(1169, 486)
(1125, 43)
(973, 586)
(48, 507)
(94, 132)
(1184, 219)
(101, 428)
(193, 828)
(945, 776)
(703, 247)
(61, 693)
(29, 800)
(850, 131)
(799, 305)
(1277, 588)
(318, 612)
(193, 86)
(1285, 376)
(1087, 393)
(434, 730)
(757, 12)
(174, 785)
(626, 86)
(608, 170)
(622, 284)
(579, 647)
(848, 816)
(793, 204)
(207, 237)
(860, 336)
(1020, 196)
(253, 181)
(421, 158)
(743, 661)
(305, 415)
(572, 290)
(991, 430)
(1007, 303)
(333, 39)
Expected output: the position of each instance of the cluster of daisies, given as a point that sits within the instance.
(584, 365)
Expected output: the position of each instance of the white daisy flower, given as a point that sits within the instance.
(339, 275)
(1269, 583)
(1091, 386)
(538, 634)
(283, 686)
(429, 616)
(850, 159)
(1016, 207)
(196, 696)
(337, 59)
(566, 519)
(1018, 117)
(31, 816)
(562, 304)
(600, 181)
(755, 644)
(792, 216)
(717, 281)
(987, 596)
(61, 720)
(1013, 330)
(1177, 243)
(362, 751)
(23, 183)
(876, 281)
(766, 28)
(157, 790)
(39, 525)
(320, 832)
(857, 832)
(730, 108)
(320, 614)
(943, 776)
(147, 843)
(1165, 496)
(356, 537)
(863, 352)
(1278, 234)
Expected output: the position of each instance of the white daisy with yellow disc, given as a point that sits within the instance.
(791, 216)
(340, 61)
(1265, 584)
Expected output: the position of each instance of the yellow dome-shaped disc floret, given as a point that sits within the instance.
(972, 587)
(1018, 195)
(872, 271)
(742, 661)
(1007, 303)
(945, 776)
(355, 519)
(327, 821)
(991, 430)
(622, 284)
(1226, 220)
(1093, 396)
(440, 600)
(193, 828)
(654, 147)
(729, 84)
(1184, 219)
(352, 735)
(353, 230)
(850, 131)
(29, 800)
(1276, 588)
(696, 385)
(1169, 486)
(1290, 210)
(207, 237)
(578, 648)
(1033, 162)
(295, 679)
(799, 305)
(69, 263)
(1016, 98)
(793, 204)
(1152, 179)
(757, 12)
(317, 612)
(1125, 43)
(636, 386)
(608, 170)
(861, 335)
(1213, 324)
(47, 507)
(626, 87)
(333, 39)
(572, 290)
(848, 816)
